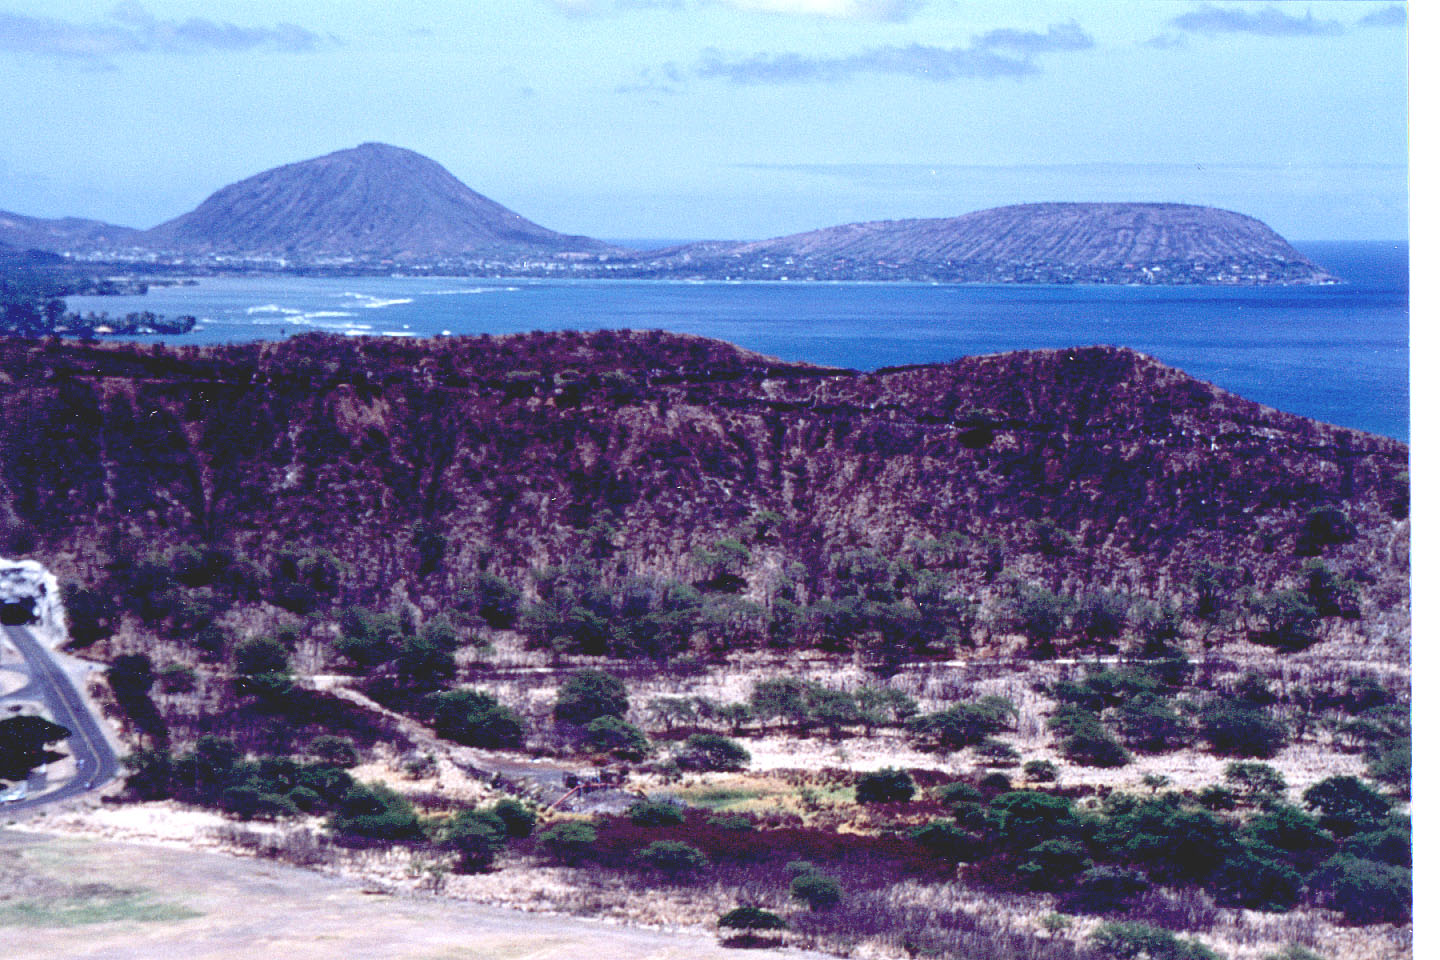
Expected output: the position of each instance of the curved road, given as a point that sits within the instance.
(96, 763)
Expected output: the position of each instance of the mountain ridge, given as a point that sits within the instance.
(378, 206)
(516, 449)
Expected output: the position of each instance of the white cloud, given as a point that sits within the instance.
(882, 10)
(839, 9)
(131, 29)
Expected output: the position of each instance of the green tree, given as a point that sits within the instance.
(1290, 620)
(476, 719)
(1255, 781)
(616, 737)
(1041, 771)
(1100, 615)
(423, 664)
(947, 841)
(965, 724)
(24, 744)
(834, 709)
(1085, 739)
(781, 698)
(492, 599)
(1331, 595)
(87, 614)
(1255, 878)
(1025, 818)
(590, 694)
(1152, 724)
(710, 751)
(671, 712)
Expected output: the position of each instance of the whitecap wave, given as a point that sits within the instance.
(274, 308)
(374, 303)
(469, 290)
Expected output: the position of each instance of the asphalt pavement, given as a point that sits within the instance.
(95, 760)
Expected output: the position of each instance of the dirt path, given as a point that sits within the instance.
(64, 898)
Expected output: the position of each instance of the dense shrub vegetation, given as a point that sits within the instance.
(608, 510)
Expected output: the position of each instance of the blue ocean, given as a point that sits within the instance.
(1335, 353)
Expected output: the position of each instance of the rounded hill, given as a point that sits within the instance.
(371, 201)
(1033, 242)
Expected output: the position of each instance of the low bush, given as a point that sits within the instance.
(1366, 891)
(748, 920)
(884, 786)
(655, 813)
(569, 842)
(1085, 739)
(958, 792)
(477, 836)
(1139, 941)
(375, 812)
(1347, 805)
(1052, 864)
(817, 891)
(673, 858)
(1258, 878)
(948, 841)
(1041, 771)
(519, 820)
(1106, 890)
(1234, 729)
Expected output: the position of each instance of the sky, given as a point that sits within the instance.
(726, 119)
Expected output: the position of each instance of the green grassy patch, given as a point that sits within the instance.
(733, 797)
(91, 905)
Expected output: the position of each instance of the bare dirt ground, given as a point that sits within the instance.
(63, 898)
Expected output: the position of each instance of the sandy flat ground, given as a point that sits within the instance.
(201, 906)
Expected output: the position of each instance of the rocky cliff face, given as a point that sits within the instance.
(373, 201)
(1081, 468)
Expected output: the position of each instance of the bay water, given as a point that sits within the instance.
(1337, 353)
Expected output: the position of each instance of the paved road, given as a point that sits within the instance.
(96, 763)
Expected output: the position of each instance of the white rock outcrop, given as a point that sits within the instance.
(22, 580)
